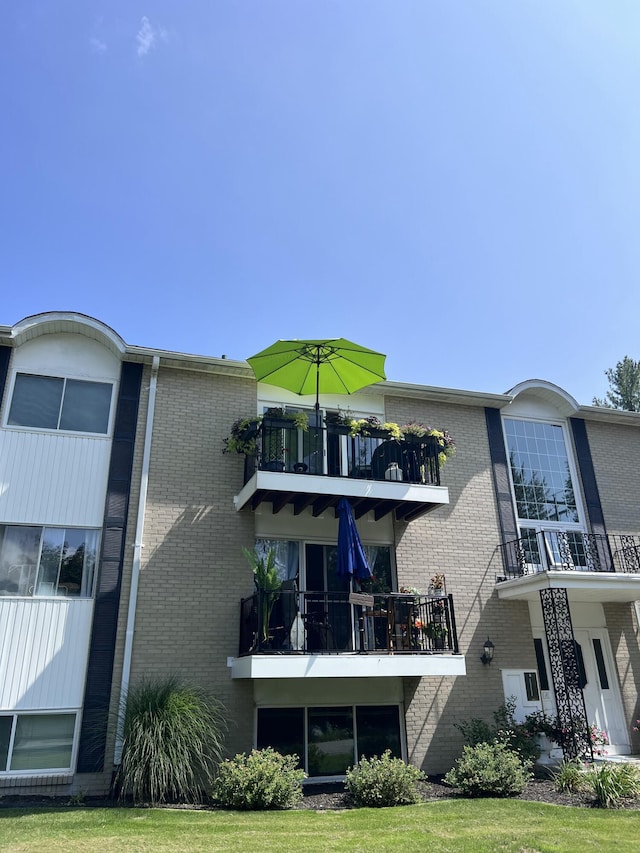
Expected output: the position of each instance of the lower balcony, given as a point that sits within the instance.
(592, 567)
(298, 634)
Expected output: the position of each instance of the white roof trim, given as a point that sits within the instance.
(53, 322)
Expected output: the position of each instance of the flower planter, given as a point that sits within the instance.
(338, 429)
(274, 465)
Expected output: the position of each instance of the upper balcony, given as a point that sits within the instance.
(315, 467)
(292, 634)
(590, 566)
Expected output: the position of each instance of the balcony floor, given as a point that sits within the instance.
(408, 501)
(580, 586)
(347, 665)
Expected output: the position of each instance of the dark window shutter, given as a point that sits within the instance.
(499, 465)
(588, 476)
(5, 357)
(93, 735)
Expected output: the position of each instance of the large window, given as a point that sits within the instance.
(540, 471)
(36, 742)
(551, 532)
(50, 402)
(42, 561)
(329, 740)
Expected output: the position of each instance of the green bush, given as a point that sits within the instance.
(264, 779)
(612, 783)
(519, 737)
(489, 770)
(384, 781)
(570, 777)
(172, 741)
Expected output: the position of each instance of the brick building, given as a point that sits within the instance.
(122, 525)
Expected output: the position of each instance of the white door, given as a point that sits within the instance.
(601, 694)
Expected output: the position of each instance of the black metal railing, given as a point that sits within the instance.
(331, 451)
(570, 550)
(293, 622)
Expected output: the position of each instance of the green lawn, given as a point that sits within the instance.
(472, 826)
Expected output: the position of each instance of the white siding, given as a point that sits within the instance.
(44, 645)
(48, 478)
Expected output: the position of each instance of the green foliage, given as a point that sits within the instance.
(519, 737)
(173, 737)
(570, 777)
(384, 781)
(264, 779)
(612, 783)
(243, 436)
(268, 583)
(489, 770)
(624, 386)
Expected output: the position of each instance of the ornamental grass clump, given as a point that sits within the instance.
(384, 781)
(173, 736)
(570, 778)
(489, 770)
(613, 783)
(264, 779)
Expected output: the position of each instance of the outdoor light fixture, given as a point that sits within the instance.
(487, 656)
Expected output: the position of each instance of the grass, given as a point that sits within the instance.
(462, 826)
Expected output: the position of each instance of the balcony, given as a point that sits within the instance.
(295, 634)
(314, 468)
(590, 566)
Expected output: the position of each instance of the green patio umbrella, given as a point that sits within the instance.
(329, 366)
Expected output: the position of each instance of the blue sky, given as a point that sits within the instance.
(456, 184)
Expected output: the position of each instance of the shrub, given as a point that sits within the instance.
(519, 737)
(612, 783)
(264, 779)
(489, 770)
(384, 781)
(172, 741)
(570, 777)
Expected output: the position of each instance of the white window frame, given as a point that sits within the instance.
(34, 595)
(57, 430)
(540, 526)
(47, 771)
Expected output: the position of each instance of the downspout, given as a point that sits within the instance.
(137, 558)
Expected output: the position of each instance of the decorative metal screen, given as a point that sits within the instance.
(565, 674)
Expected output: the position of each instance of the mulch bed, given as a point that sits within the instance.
(322, 798)
(333, 797)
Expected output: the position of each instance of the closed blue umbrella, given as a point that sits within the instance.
(351, 556)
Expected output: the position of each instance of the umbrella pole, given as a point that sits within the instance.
(317, 385)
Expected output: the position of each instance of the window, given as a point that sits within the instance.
(36, 742)
(551, 532)
(42, 561)
(49, 402)
(329, 740)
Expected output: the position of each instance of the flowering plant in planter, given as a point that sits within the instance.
(373, 426)
(415, 430)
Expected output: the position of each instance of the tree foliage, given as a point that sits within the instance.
(624, 386)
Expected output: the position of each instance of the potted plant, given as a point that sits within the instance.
(418, 433)
(244, 433)
(278, 417)
(267, 584)
(373, 427)
(437, 585)
(437, 632)
(338, 423)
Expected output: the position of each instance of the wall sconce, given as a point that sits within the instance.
(487, 656)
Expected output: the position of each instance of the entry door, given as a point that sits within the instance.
(601, 694)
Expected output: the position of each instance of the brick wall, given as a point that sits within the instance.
(461, 541)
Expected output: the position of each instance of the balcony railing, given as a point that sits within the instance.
(293, 622)
(331, 451)
(570, 550)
